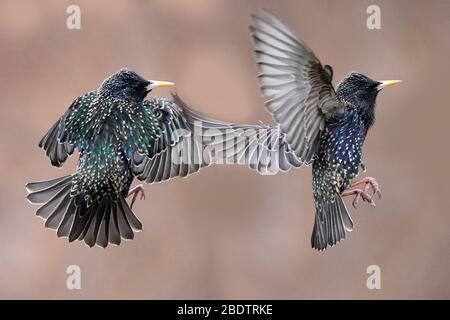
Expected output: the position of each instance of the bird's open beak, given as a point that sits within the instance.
(386, 83)
(157, 84)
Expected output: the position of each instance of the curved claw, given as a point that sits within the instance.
(375, 187)
(369, 182)
(365, 196)
(359, 194)
(378, 193)
(135, 191)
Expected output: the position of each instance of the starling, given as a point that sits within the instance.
(119, 136)
(317, 124)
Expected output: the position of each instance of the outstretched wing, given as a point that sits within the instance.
(264, 149)
(54, 142)
(183, 144)
(189, 141)
(301, 89)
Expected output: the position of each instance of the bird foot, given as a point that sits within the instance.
(359, 194)
(369, 182)
(135, 191)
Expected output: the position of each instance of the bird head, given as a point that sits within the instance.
(361, 92)
(128, 85)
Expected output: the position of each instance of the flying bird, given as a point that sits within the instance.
(120, 136)
(316, 124)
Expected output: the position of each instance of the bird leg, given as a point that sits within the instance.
(369, 182)
(359, 194)
(135, 191)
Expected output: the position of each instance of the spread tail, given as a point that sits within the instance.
(107, 221)
(332, 219)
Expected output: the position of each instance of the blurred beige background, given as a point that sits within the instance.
(228, 232)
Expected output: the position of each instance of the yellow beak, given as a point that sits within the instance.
(386, 83)
(157, 84)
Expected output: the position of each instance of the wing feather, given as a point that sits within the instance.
(302, 95)
(55, 142)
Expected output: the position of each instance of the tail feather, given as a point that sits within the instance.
(101, 223)
(50, 206)
(134, 222)
(40, 185)
(332, 219)
(81, 220)
(124, 225)
(346, 219)
(103, 233)
(41, 192)
(66, 223)
(91, 230)
(57, 215)
(318, 238)
(114, 233)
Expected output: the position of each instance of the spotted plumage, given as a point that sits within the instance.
(119, 136)
(316, 124)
